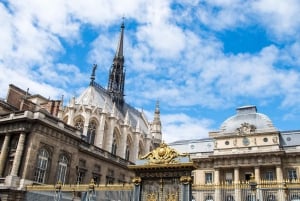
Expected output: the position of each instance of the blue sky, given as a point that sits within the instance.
(200, 59)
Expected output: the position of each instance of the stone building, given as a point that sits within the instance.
(246, 145)
(94, 137)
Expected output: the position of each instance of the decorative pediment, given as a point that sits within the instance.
(246, 128)
(163, 155)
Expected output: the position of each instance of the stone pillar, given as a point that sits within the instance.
(258, 193)
(123, 141)
(86, 122)
(237, 191)
(217, 182)
(100, 131)
(236, 175)
(18, 155)
(3, 155)
(257, 173)
(109, 134)
(279, 175)
(136, 147)
(217, 176)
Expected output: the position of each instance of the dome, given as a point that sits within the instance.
(247, 120)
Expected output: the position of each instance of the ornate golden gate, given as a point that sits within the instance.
(163, 175)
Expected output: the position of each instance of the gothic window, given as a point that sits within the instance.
(91, 132)
(141, 150)
(127, 150)
(127, 153)
(41, 166)
(79, 124)
(62, 169)
(114, 146)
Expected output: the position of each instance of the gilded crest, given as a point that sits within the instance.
(162, 155)
(151, 197)
(246, 128)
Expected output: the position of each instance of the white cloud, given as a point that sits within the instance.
(181, 126)
(172, 55)
(281, 17)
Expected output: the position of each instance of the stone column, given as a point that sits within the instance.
(18, 155)
(279, 175)
(123, 141)
(217, 176)
(217, 182)
(237, 191)
(257, 173)
(258, 193)
(109, 135)
(236, 175)
(100, 131)
(4, 152)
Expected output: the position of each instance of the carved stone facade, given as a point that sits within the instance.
(246, 145)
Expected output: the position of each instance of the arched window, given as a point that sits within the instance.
(128, 147)
(141, 149)
(79, 124)
(41, 166)
(114, 147)
(115, 144)
(127, 153)
(91, 132)
(62, 169)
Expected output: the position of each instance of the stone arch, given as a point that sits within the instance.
(129, 148)
(92, 130)
(116, 141)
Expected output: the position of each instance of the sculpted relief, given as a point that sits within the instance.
(246, 128)
(162, 155)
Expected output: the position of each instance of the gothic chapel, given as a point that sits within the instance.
(107, 121)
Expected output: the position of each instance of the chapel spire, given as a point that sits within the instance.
(117, 73)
